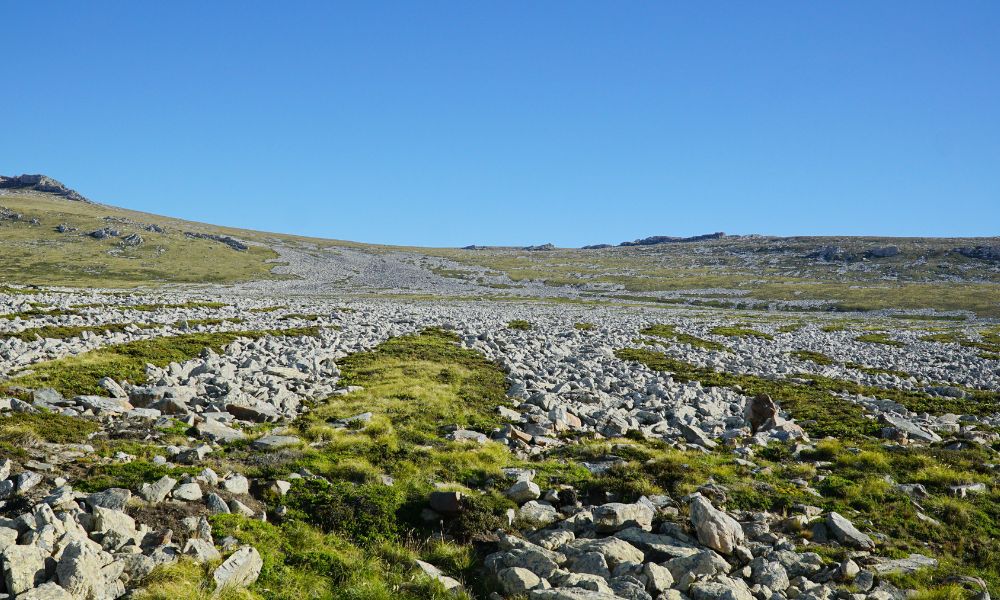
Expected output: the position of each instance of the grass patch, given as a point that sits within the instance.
(26, 429)
(267, 309)
(740, 332)
(130, 475)
(811, 398)
(157, 307)
(584, 326)
(519, 324)
(670, 332)
(38, 312)
(300, 317)
(879, 338)
(77, 375)
(206, 322)
(62, 332)
(816, 409)
(817, 357)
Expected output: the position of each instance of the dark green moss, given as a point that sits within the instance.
(22, 428)
(879, 338)
(62, 332)
(670, 332)
(741, 332)
(130, 475)
(127, 362)
(817, 357)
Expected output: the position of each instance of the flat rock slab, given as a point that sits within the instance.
(275, 442)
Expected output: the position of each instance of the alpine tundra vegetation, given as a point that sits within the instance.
(318, 419)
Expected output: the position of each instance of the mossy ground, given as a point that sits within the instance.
(857, 481)
(879, 338)
(62, 332)
(80, 374)
(37, 254)
(813, 400)
(740, 331)
(670, 332)
(357, 537)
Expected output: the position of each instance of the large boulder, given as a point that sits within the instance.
(760, 410)
(846, 533)
(239, 570)
(716, 529)
(616, 516)
(23, 568)
(517, 580)
(79, 572)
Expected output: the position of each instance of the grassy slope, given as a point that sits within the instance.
(777, 270)
(856, 465)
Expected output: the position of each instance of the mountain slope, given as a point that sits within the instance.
(50, 235)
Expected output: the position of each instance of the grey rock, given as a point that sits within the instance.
(47, 591)
(241, 569)
(537, 514)
(904, 566)
(445, 502)
(523, 491)
(23, 568)
(716, 529)
(158, 491)
(113, 498)
(275, 442)
(216, 431)
(187, 492)
(517, 580)
(846, 533)
(616, 516)
(201, 550)
(450, 584)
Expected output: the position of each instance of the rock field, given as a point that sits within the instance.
(566, 382)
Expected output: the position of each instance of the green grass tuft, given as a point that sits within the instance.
(741, 332)
(670, 332)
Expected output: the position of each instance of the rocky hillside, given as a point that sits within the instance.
(49, 236)
(244, 445)
(40, 183)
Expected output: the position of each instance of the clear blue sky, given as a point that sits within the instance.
(452, 123)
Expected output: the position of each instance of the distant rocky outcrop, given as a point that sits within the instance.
(991, 253)
(597, 247)
(830, 253)
(668, 239)
(40, 183)
(542, 247)
(232, 242)
(883, 252)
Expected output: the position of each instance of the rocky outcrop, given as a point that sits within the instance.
(667, 239)
(990, 253)
(232, 242)
(40, 183)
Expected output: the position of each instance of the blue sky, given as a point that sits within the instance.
(453, 123)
